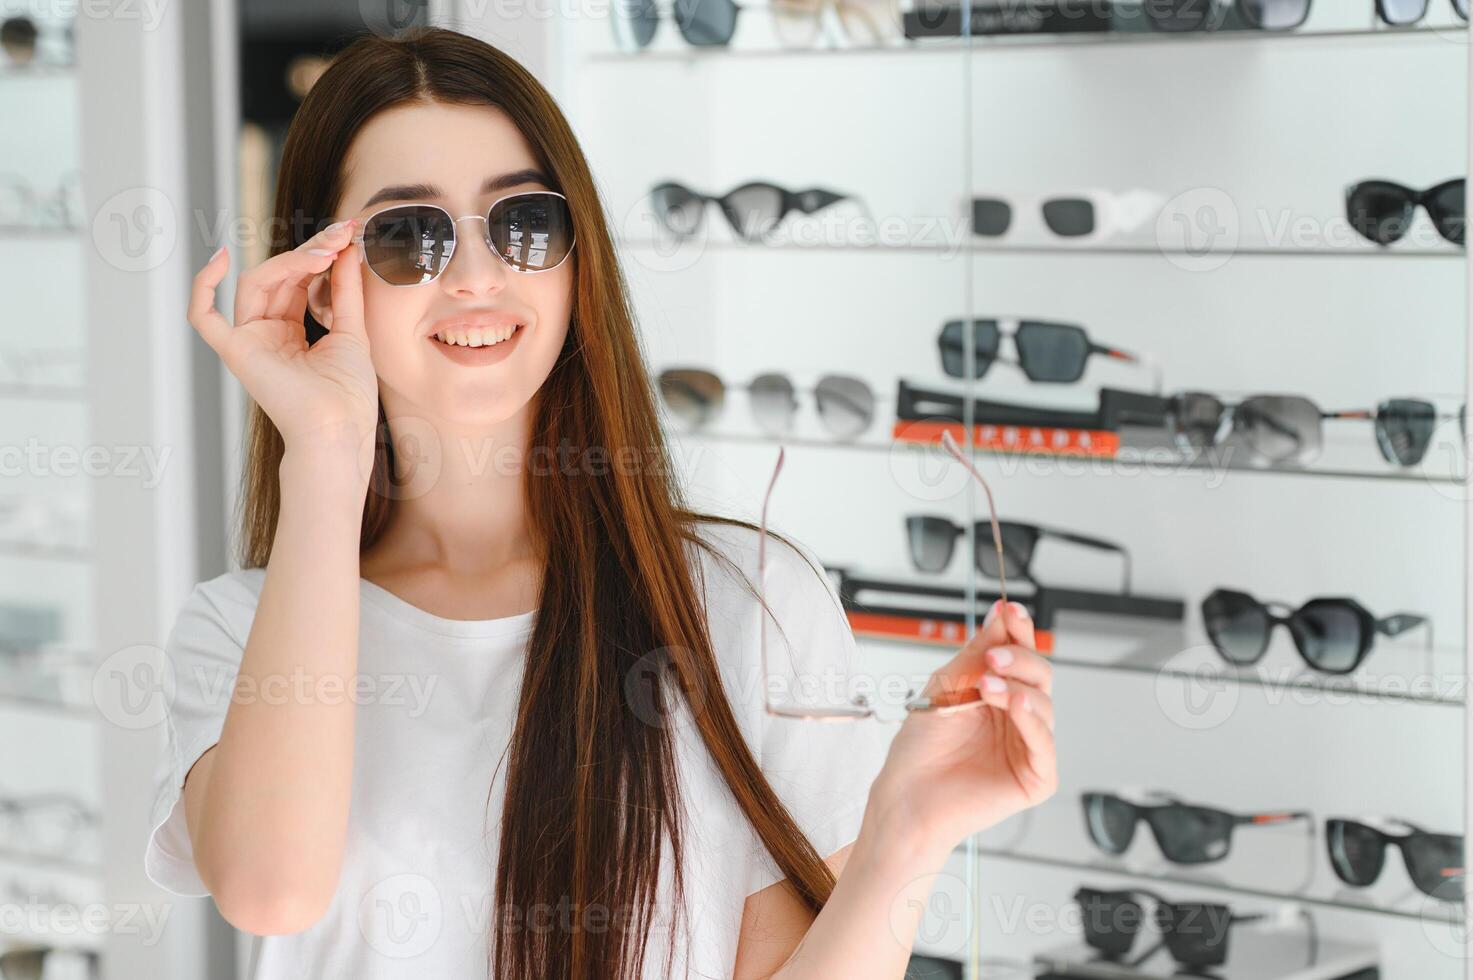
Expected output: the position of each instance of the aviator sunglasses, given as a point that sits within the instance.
(411, 244)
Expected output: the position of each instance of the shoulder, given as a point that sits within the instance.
(730, 558)
(225, 604)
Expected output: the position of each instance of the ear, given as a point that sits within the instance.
(319, 297)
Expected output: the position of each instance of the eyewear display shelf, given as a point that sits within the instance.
(1269, 956)
(47, 716)
(1254, 134)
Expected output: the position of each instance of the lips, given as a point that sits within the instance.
(477, 328)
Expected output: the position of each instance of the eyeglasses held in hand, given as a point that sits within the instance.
(1194, 933)
(932, 542)
(1332, 635)
(411, 244)
(1054, 353)
(1185, 832)
(752, 209)
(942, 701)
(1382, 210)
(846, 406)
(1434, 861)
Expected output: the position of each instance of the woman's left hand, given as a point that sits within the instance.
(951, 774)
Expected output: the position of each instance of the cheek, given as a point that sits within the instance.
(390, 315)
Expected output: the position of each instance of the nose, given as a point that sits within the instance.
(474, 269)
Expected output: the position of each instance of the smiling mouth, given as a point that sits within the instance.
(477, 337)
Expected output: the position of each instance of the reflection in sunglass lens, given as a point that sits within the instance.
(846, 406)
(1401, 12)
(706, 22)
(1279, 428)
(1404, 428)
(1111, 821)
(1069, 217)
(1052, 352)
(532, 232)
(1195, 933)
(1191, 834)
(408, 245)
(1380, 210)
(1356, 851)
(1446, 205)
(932, 540)
(991, 217)
(1435, 863)
(695, 397)
(1110, 919)
(773, 403)
(1330, 634)
(1237, 624)
(1275, 15)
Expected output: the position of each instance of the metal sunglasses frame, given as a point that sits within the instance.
(858, 707)
(455, 242)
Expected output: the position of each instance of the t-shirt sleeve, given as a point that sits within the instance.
(202, 657)
(821, 770)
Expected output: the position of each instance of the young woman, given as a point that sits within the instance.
(485, 698)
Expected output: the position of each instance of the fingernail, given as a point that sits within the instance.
(338, 226)
(1018, 610)
(321, 251)
(1027, 704)
(994, 683)
(992, 613)
(217, 253)
(1001, 656)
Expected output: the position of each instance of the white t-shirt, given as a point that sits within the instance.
(435, 700)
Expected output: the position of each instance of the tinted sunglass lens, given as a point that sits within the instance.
(1275, 15)
(1279, 428)
(1018, 542)
(773, 403)
(1330, 634)
(1379, 210)
(931, 542)
(990, 216)
(1446, 206)
(1110, 920)
(634, 23)
(532, 232)
(1195, 933)
(678, 208)
(1356, 851)
(1052, 352)
(695, 397)
(706, 22)
(1461, 6)
(846, 406)
(1070, 217)
(1194, 420)
(953, 345)
(1435, 862)
(753, 209)
(1191, 834)
(408, 245)
(1404, 428)
(1402, 12)
(1237, 625)
(1111, 821)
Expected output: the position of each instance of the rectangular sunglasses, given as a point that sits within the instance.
(1195, 933)
(411, 244)
(1054, 353)
(932, 541)
(1434, 861)
(1185, 832)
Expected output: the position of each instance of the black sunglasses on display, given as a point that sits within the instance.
(1274, 428)
(1048, 352)
(752, 209)
(1186, 833)
(1434, 861)
(1405, 427)
(1332, 635)
(1194, 933)
(932, 542)
(846, 405)
(1382, 210)
(703, 23)
(1272, 15)
(1067, 217)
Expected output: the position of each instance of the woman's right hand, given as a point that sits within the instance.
(321, 396)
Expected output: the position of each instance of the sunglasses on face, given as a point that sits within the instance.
(1047, 352)
(1434, 861)
(1186, 834)
(1382, 211)
(933, 540)
(752, 209)
(858, 707)
(1333, 636)
(1195, 933)
(411, 244)
(846, 406)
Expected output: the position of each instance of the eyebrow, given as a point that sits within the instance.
(422, 192)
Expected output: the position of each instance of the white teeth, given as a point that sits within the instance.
(477, 337)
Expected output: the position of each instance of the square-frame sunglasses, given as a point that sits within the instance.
(858, 706)
(1186, 833)
(412, 244)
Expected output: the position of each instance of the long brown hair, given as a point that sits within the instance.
(592, 786)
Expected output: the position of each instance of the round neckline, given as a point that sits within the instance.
(408, 612)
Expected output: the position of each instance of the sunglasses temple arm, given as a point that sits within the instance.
(949, 442)
(1099, 544)
(1139, 960)
(1402, 623)
(1144, 360)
